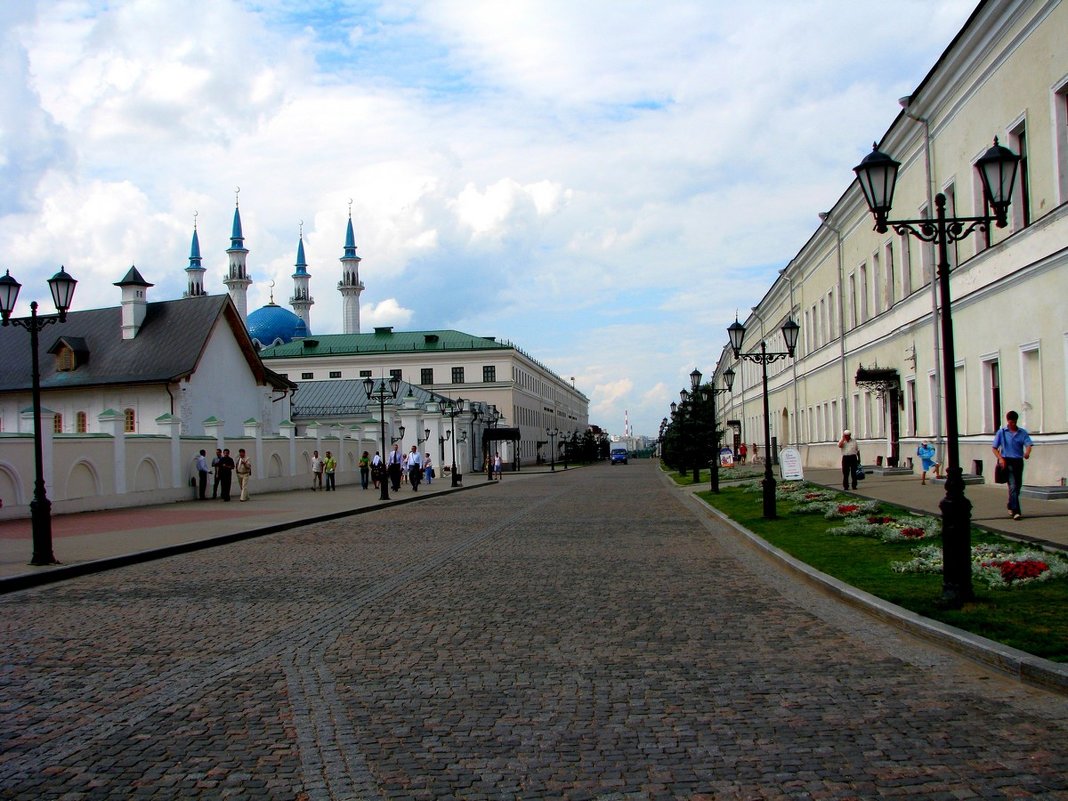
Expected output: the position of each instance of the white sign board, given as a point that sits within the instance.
(790, 465)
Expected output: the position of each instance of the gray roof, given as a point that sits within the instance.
(167, 347)
(346, 397)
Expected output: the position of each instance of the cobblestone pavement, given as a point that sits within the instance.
(583, 635)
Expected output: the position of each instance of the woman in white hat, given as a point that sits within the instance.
(850, 459)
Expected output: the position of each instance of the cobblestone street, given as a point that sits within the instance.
(580, 635)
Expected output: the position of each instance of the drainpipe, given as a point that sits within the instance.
(905, 103)
(825, 217)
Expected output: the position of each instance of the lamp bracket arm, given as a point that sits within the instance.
(35, 323)
(763, 358)
(927, 230)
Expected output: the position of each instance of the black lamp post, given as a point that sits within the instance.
(452, 409)
(552, 433)
(695, 382)
(386, 390)
(492, 416)
(736, 332)
(709, 392)
(877, 174)
(62, 286)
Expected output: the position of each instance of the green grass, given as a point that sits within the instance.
(1031, 618)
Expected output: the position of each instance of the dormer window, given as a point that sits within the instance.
(65, 360)
(70, 352)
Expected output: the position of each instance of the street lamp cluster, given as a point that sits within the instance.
(62, 287)
(452, 409)
(877, 174)
(382, 391)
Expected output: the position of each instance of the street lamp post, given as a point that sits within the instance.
(452, 409)
(709, 392)
(492, 417)
(736, 332)
(695, 382)
(62, 286)
(385, 390)
(552, 433)
(877, 175)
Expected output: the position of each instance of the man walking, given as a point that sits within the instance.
(226, 473)
(415, 468)
(202, 474)
(1012, 445)
(243, 468)
(394, 467)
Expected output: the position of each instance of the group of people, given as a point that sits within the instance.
(223, 468)
(323, 466)
(409, 468)
(1012, 446)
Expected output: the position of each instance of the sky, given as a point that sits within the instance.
(603, 183)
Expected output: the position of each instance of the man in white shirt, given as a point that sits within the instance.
(415, 468)
(394, 467)
(317, 471)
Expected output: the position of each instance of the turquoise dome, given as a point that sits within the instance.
(273, 325)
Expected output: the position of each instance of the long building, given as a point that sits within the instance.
(870, 351)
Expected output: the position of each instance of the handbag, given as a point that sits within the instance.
(1001, 474)
(859, 473)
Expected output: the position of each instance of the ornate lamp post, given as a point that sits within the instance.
(492, 418)
(736, 332)
(552, 433)
(695, 398)
(452, 409)
(62, 286)
(877, 175)
(385, 390)
(709, 392)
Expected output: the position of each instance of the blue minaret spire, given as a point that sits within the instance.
(195, 271)
(350, 285)
(302, 300)
(237, 279)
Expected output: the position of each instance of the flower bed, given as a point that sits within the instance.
(889, 529)
(997, 566)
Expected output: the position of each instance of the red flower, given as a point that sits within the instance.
(879, 521)
(847, 508)
(1018, 571)
(912, 531)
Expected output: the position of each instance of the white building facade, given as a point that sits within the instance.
(870, 351)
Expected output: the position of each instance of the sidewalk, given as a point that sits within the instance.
(87, 542)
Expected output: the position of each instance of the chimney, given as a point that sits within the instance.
(134, 302)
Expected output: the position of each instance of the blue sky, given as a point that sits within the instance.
(602, 183)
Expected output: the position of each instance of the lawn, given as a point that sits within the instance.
(1028, 615)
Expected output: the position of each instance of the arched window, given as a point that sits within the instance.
(81, 421)
(129, 421)
(57, 424)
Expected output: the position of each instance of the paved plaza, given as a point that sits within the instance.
(578, 635)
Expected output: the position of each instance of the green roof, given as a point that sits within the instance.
(383, 340)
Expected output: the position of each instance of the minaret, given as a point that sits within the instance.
(237, 280)
(350, 285)
(195, 271)
(302, 300)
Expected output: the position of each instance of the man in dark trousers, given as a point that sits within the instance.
(394, 467)
(226, 472)
(202, 474)
(217, 473)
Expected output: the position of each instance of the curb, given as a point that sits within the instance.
(1011, 661)
(64, 572)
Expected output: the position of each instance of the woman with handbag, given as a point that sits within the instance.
(850, 459)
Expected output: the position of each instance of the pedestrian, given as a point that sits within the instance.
(243, 468)
(850, 459)
(1012, 445)
(202, 474)
(365, 469)
(317, 471)
(428, 469)
(376, 469)
(217, 473)
(497, 465)
(742, 450)
(226, 473)
(415, 468)
(394, 469)
(329, 467)
(404, 468)
(926, 452)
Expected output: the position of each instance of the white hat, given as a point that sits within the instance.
(846, 433)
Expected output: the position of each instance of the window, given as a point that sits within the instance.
(1031, 388)
(335, 374)
(906, 266)
(951, 211)
(65, 360)
(934, 402)
(1060, 124)
(852, 301)
(863, 270)
(457, 375)
(426, 376)
(396, 374)
(927, 251)
(832, 330)
(365, 374)
(876, 285)
(489, 374)
(910, 407)
(992, 391)
(888, 260)
(307, 376)
(129, 421)
(57, 423)
(81, 422)
(1021, 195)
